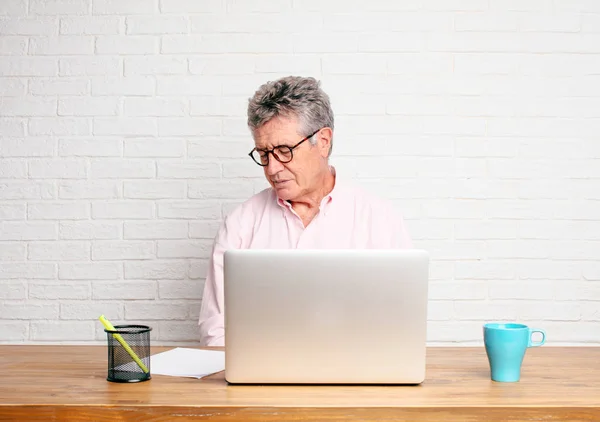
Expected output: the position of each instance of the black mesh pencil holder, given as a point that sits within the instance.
(128, 353)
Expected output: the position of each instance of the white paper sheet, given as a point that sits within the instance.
(184, 362)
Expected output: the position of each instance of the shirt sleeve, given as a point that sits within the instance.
(388, 229)
(212, 322)
(400, 237)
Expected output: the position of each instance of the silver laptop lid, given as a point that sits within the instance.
(325, 316)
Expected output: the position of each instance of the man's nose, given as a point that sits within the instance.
(274, 165)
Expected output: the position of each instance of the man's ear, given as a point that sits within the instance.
(325, 136)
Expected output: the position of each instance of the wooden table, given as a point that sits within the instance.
(48, 383)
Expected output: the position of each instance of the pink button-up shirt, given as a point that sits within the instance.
(348, 218)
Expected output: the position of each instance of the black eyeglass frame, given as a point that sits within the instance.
(279, 148)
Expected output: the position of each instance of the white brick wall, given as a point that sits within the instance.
(123, 145)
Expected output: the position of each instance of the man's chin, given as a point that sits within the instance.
(284, 194)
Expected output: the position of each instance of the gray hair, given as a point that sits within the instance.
(292, 96)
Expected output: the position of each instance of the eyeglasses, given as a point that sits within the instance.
(282, 153)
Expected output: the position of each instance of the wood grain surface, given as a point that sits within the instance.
(69, 383)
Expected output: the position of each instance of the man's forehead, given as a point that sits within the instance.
(275, 138)
(280, 127)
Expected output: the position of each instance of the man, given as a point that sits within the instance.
(307, 205)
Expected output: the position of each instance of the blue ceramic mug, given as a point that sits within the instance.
(505, 345)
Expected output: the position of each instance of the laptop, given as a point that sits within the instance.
(325, 316)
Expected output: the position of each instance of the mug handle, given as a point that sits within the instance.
(537, 343)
